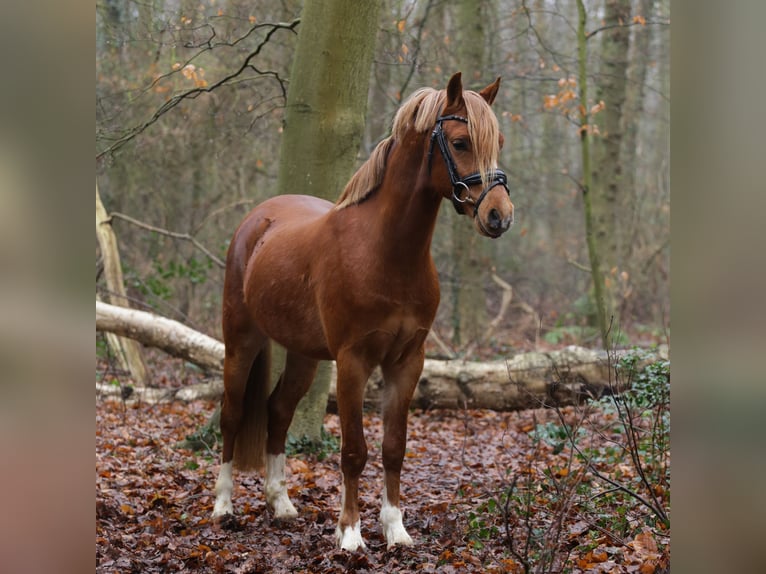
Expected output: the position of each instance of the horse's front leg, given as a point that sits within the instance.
(352, 378)
(400, 380)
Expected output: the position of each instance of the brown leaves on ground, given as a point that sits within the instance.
(153, 501)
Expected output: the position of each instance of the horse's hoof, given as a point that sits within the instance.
(288, 514)
(350, 538)
(222, 509)
(283, 508)
(400, 538)
(393, 528)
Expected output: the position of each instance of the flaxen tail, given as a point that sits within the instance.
(250, 442)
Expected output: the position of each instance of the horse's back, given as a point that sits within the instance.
(289, 210)
(277, 212)
(303, 206)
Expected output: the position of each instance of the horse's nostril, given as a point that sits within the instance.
(494, 218)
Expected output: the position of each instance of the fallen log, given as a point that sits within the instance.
(173, 337)
(526, 380)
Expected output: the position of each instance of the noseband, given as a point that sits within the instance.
(460, 185)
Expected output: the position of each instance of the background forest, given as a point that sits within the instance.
(192, 116)
(190, 101)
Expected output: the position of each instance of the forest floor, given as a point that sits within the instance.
(482, 492)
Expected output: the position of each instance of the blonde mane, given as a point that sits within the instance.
(419, 112)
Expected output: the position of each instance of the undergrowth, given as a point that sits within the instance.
(612, 485)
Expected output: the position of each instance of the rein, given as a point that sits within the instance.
(459, 185)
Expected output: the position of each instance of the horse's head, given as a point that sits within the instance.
(463, 150)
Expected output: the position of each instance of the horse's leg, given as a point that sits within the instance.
(352, 377)
(400, 379)
(237, 365)
(293, 384)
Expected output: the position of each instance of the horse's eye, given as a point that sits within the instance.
(460, 145)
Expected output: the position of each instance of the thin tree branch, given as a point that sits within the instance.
(196, 92)
(578, 265)
(449, 353)
(656, 509)
(220, 210)
(416, 51)
(592, 33)
(173, 234)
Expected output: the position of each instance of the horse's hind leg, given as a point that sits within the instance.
(293, 384)
(246, 363)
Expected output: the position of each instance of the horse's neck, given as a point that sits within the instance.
(406, 208)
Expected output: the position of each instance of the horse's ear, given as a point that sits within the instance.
(490, 92)
(455, 91)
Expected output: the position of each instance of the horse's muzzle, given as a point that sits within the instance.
(497, 225)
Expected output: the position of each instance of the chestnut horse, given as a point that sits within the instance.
(353, 282)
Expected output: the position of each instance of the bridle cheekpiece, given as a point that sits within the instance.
(460, 185)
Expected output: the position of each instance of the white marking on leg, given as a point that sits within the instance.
(276, 487)
(350, 538)
(391, 521)
(223, 488)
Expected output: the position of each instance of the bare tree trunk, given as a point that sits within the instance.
(127, 351)
(324, 127)
(469, 305)
(586, 185)
(608, 191)
(633, 110)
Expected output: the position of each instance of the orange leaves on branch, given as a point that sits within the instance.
(400, 25)
(550, 101)
(514, 117)
(597, 107)
(591, 129)
(567, 102)
(565, 98)
(405, 50)
(195, 74)
(191, 72)
(638, 19)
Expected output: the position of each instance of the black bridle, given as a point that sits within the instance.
(460, 185)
